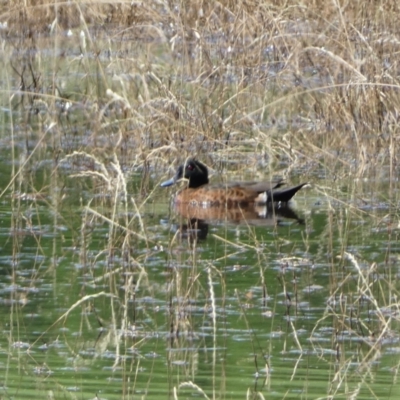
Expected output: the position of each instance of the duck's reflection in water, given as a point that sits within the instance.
(195, 221)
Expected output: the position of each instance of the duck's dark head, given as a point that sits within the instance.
(194, 171)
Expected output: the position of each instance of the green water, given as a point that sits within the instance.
(89, 308)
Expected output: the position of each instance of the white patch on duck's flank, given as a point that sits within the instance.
(261, 198)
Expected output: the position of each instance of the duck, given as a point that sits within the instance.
(199, 192)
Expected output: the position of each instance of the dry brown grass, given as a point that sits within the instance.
(306, 86)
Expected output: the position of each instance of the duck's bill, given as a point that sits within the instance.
(167, 183)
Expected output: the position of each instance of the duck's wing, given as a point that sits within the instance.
(265, 186)
(259, 187)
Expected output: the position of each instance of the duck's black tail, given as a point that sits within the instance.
(283, 195)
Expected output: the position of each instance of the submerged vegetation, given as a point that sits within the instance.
(98, 95)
